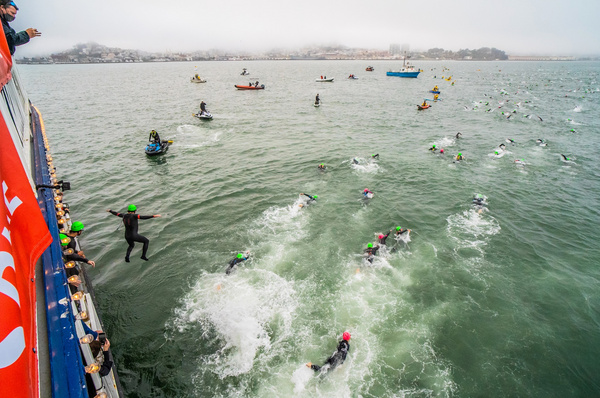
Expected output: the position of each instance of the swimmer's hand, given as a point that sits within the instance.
(308, 365)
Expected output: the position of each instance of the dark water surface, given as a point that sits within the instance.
(505, 303)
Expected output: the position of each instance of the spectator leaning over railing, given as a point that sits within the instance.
(8, 13)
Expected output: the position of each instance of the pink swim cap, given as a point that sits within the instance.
(346, 336)
(441, 151)
(380, 236)
(366, 189)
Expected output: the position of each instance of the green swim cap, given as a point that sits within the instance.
(240, 255)
(434, 146)
(62, 238)
(322, 164)
(459, 154)
(316, 196)
(496, 152)
(369, 245)
(131, 208)
(479, 195)
(77, 226)
(398, 228)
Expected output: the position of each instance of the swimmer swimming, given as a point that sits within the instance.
(241, 257)
(338, 357)
(400, 231)
(565, 158)
(458, 135)
(310, 198)
(376, 156)
(321, 166)
(383, 237)
(510, 141)
(355, 161)
(366, 192)
(371, 251)
(432, 148)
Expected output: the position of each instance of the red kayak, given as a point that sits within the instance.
(261, 87)
(419, 107)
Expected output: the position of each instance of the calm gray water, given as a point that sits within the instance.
(505, 303)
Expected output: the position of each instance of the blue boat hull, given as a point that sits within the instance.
(403, 74)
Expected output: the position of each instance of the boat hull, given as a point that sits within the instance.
(325, 80)
(403, 74)
(262, 87)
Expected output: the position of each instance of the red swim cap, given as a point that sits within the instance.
(380, 236)
(366, 189)
(346, 336)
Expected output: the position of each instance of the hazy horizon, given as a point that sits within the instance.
(518, 28)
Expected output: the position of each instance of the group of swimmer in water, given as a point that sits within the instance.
(502, 147)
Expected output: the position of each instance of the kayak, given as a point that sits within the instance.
(153, 149)
(325, 80)
(203, 115)
(353, 77)
(194, 80)
(419, 107)
(239, 87)
(434, 92)
(370, 69)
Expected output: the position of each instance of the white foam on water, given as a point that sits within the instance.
(471, 229)
(577, 108)
(444, 142)
(277, 220)
(240, 309)
(301, 377)
(365, 166)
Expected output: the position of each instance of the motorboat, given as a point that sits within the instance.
(407, 70)
(241, 87)
(325, 80)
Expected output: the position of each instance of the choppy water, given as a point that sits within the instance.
(502, 303)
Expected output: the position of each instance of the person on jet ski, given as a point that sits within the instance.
(317, 100)
(154, 137)
(202, 107)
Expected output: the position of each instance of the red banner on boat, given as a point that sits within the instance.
(5, 62)
(23, 238)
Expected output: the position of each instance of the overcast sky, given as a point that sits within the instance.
(541, 27)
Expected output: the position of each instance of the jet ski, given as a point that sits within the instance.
(203, 115)
(155, 148)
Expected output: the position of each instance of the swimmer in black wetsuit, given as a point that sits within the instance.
(479, 200)
(564, 157)
(376, 156)
(310, 198)
(321, 166)
(130, 220)
(383, 237)
(400, 231)
(338, 357)
(238, 259)
(432, 148)
(458, 135)
(355, 161)
(371, 251)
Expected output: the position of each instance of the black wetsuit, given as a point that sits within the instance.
(203, 107)
(371, 252)
(355, 161)
(458, 134)
(311, 198)
(382, 240)
(376, 156)
(478, 202)
(233, 262)
(338, 357)
(398, 233)
(433, 149)
(130, 220)
(317, 100)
